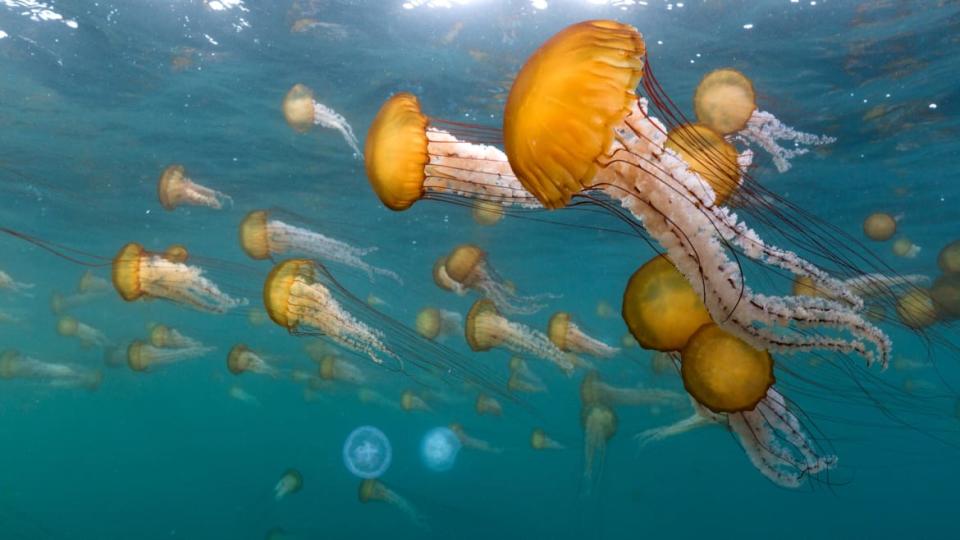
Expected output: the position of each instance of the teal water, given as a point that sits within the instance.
(97, 98)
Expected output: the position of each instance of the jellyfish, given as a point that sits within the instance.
(708, 155)
(701, 417)
(443, 280)
(90, 282)
(487, 213)
(567, 336)
(243, 396)
(367, 452)
(7, 283)
(164, 337)
(949, 258)
(375, 301)
(302, 112)
(176, 253)
(599, 426)
(880, 226)
(468, 266)
(434, 323)
(90, 287)
(539, 440)
(487, 405)
(372, 397)
(374, 490)
(522, 378)
(313, 382)
(263, 237)
(257, 317)
(485, 329)
(138, 273)
(439, 449)
(904, 247)
(175, 188)
(410, 401)
(334, 368)
(593, 390)
(605, 310)
(471, 442)
(573, 123)
(142, 356)
(88, 335)
(725, 101)
(290, 483)
(14, 365)
(241, 359)
(917, 309)
(945, 294)
(8, 318)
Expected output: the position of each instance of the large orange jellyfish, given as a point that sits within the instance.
(175, 189)
(469, 268)
(302, 112)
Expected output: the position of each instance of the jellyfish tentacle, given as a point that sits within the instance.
(285, 237)
(326, 117)
(764, 130)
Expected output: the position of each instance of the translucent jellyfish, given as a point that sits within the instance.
(175, 189)
(374, 490)
(487, 405)
(138, 273)
(7, 283)
(8, 318)
(605, 310)
(257, 317)
(945, 294)
(164, 337)
(90, 282)
(522, 378)
(443, 280)
(142, 356)
(662, 363)
(725, 101)
(439, 449)
(410, 401)
(471, 442)
(567, 336)
(949, 258)
(539, 440)
(487, 213)
(369, 396)
(367, 452)
(90, 287)
(176, 253)
(880, 226)
(302, 112)
(243, 396)
(290, 483)
(14, 365)
(868, 286)
(468, 266)
(86, 334)
(904, 247)
(435, 323)
(917, 309)
(485, 329)
(599, 426)
(262, 237)
(593, 390)
(335, 368)
(241, 359)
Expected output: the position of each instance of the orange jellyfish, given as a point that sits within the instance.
(435, 323)
(468, 266)
(487, 213)
(949, 258)
(302, 112)
(904, 247)
(335, 368)
(138, 273)
(471, 442)
(410, 401)
(241, 359)
(880, 226)
(263, 236)
(372, 490)
(569, 337)
(593, 390)
(539, 440)
(709, 155)
(176, 253)
(522, 378)
(86, 334)
(487, 405)
(599, 426)
(290, 483)
(443, 280)
(7, 283)
(485, 329)
(175, 189)
(142, 356)
(917, 309)
(164, 337)
(14, 365)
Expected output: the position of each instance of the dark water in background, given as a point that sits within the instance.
(95, 104)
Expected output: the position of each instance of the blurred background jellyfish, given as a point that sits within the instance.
(367, 452)
(599, 426)
(7, 283)
(904, 247)
(522, 378)
(86, 334)
(949, 258)
(175, 189)
(142, 356)
(569, 337)
(264, 237)
(165, 337)
(290, 483)
(725, 101)
(90, 287)
(14, 365)
(302, 112)
(373, 490)
(439, 449)
(243, 396)
(485, 329)
(138, 273)
(880, 226)
(435, 323)
(369, 396)
(539, 440)
(487, 406)
(241, 359)
(593, 390)
(336, 368)
(487, 213)
(410, 401)
(471, 442)
(468, 266)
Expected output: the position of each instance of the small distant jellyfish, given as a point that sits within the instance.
(375, 301)
(540, 441)
(522, 378)
(471, 442)
(435, 323)
(949, 258)
(468, 266)
(880, 226)
(367, 452)
(569, 337)
(7, 283)
(904, 247)
(485, 329)
(290, 483)
(917, 309)
(138, 273)
(410, 401)
(599, 426)
(302, 112)
(487, 405)
(90, 287)
(142, 356)
(262, 237)
(867, 286)
(8, 318)
(593, 390)
(176, 253)
(701, 417)
(14, 365)
(243, 396)
(443, 280)
(369, 396)
(257, 317)
(164, 337)
(487, 213)
(374, 490)
(241, 359)
(945, 294)
(86, 334)
(439, 449)
(725, 101)
(175, 189)
(335, 368)
(90, 282)
(605, 310)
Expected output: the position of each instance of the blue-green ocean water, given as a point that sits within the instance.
(96, 98)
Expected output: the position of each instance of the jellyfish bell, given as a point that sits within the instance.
(945, 294)
(88, 335)
(175, 189)
(241, 360)
(302, 112)
(433, 323)
(487, 405)
(725, 100)
(443, 280)
(165, 337)
(439, 449)
(904, 247)
(599, 424)
(569, 337)
(880, 226)
(367, 452)
(949, 258)
(917, 309)
(539, 440)
(176, 253)
(709, 155)
(469, 267)
(487, 213)
(372, 490)
(290, 483)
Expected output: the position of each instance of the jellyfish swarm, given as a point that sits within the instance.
(439, 449)
(725, 101)
(263, 237)
(175, 189)
(14, 365)
(88, 335)
(373, 490)
(335, 368)
(485, 329)
(435, 323)
(566, 335)
(540, 441)
(467, 266)
(522, 378)
(138, 273)
(7, 283)
(142, 356)
(486, 405)
(573, 123)
(367, 452)
(290, 483)
(302, 112)
(599, 426)
(471, 442)
(593, 390)
(241, 359)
